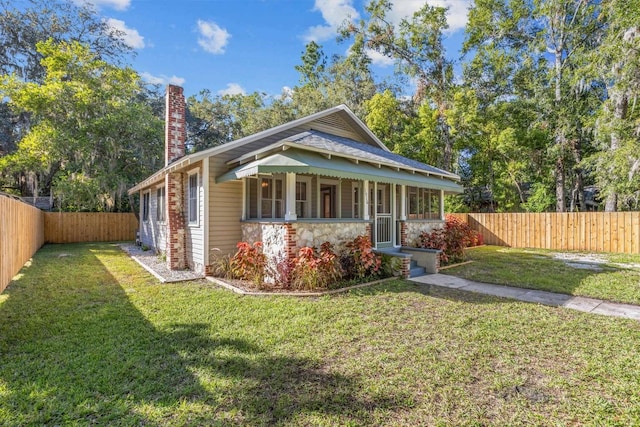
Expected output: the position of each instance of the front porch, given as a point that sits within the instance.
(289, 211)
(314, 187)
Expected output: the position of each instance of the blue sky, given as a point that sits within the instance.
(242, 46)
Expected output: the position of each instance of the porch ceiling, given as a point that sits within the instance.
(304, 162)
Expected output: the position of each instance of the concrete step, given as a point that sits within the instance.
(416, 271)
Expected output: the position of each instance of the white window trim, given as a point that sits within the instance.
(146, 204)
(164, 208)
(273, 177)
(356, 213)
(195, 223)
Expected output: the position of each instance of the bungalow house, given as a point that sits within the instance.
(325, 177)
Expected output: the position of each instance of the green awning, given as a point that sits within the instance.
(301, 162)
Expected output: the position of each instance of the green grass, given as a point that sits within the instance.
(538, 269)
(87, 337)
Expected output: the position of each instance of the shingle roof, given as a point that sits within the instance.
(358, 150)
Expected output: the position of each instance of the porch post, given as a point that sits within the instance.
(290, 198)
(403, 203)
(442, 204)
(365, 195)
(244, 199)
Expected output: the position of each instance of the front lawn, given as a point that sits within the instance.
(87, 337)
(614, 277)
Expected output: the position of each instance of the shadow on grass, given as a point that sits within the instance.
(75, 350)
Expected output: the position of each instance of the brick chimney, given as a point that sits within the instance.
(175, 129)
(175, 135)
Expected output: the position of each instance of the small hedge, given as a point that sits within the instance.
(311, 269)
(451, 240)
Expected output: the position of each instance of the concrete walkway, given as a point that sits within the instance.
(588, 305)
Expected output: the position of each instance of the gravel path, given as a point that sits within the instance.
(156, 266)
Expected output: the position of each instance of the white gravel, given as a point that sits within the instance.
(155, 265)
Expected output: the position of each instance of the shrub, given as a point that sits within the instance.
(316, 269)
(249, 263)
(281, 271)
(389, 266)
(221, 265)
(451, 240)
(360, 260)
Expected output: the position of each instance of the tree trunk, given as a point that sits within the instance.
(578, 187)
(447, 158)
(560, 179)
(620, 103)
(559, 139)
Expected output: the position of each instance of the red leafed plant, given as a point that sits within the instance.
(316, 268)
(360, 260)
(451, 240)
(249, 263)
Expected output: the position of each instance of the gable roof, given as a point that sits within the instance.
(308, 133)
(340, 145)
(339, 118)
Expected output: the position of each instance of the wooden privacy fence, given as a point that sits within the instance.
(21, 235)
(74, 227)
(24, 229)
(583, 231)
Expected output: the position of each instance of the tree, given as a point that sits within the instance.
(90, 135)
(571, 29)
(617, 63)
(313, 66)
(416, 45)
(530, 59)
(22, 26)
(386, 120)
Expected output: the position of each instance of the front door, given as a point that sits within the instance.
(328, 201)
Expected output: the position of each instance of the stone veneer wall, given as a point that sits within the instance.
(287, 238)
(272, 235)
(413, 229)
(336, 233)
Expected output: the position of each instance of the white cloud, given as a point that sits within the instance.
(113, 4)
(232, 89)
(130, 36)
(213, 38)
(456, 15)
(286, 94)
(162, 79)
(334, 13)
(379, 59)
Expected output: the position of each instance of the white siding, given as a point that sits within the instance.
(152, 233)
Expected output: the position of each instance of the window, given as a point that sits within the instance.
(355, 206)
(193, 198)
(145, 206)
(423, 203)
(303, 197)
(383, 200)
(160, 204)
(271, 200)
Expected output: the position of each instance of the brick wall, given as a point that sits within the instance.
(175, 130)
(175, 136)
(176, 254)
